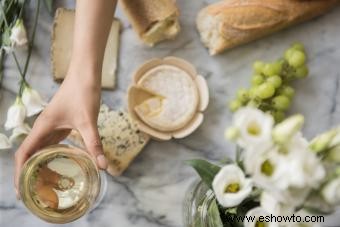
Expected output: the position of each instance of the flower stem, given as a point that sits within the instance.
(2, 54)
(30, 46)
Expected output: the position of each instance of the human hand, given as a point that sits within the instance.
(74, 106)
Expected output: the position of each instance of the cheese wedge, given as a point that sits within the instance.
(176, 98)
(62, 43)
(121, 139)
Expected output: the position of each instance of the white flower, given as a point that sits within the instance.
(4, 142)
(254, 215)
(33, 102)
(19, 132)
(284, 131)
(274, 206)
(15, 115)
(231, 186)
(306, 169)
(331, 192)
(18, 34)
(270, 171)
(254, 126)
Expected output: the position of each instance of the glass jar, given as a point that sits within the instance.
(59, 183)
(197, 201)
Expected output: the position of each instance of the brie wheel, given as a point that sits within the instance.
(176, 100)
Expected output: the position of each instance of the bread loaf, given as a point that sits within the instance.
(230, 23)
(153, 21)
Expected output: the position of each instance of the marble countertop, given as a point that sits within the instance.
(151, 191)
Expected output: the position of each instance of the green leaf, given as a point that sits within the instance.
(49, 5)
(214, 215)
(205, 169)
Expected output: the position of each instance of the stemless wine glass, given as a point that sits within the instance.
(60, 183)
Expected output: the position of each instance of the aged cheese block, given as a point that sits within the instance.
(62, 42)
(122, 141)
(176, 101)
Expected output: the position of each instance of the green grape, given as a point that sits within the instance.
(257, 79)
(278, 116)
(289, 53)
(281, 102)
(275, 80)
(235, 105)
(298, 46)
(265, 90)
(277, 67)
(297, 59)
(302, 72)
(258, 66)
(242, 95)
(272, 69)
(287, 91)
(254, 103)
(252, 92)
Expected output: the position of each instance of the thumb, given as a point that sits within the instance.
(93, 145)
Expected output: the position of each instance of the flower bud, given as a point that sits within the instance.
(231, 133)
(18, 34)
(284, 131)
(323, 141)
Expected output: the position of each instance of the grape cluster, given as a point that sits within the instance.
(270, 88)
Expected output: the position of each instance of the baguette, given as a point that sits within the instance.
(154, 21)
(230, 23)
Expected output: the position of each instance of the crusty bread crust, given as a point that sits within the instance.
(153, 20)
(144, 13)
(235, 22)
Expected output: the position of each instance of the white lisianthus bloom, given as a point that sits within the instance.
(231, 186)
(5, 143)
(15, 115)
(19, 132)
(254, 127)
(253, 216)
(284, 131)
(306, 169)
(18, 34)
(33, 102)
(274, 206)
(331, 192)
(270, 171)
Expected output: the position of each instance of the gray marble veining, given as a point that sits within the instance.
(151, 191)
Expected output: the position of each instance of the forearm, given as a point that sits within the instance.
(92, 25)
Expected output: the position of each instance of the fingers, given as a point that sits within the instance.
(93, 145)
(33, 142)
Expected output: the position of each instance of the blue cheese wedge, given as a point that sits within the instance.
(122, 140)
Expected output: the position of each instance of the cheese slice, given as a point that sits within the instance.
(62, 43)
(175, 101)
(121, 139)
